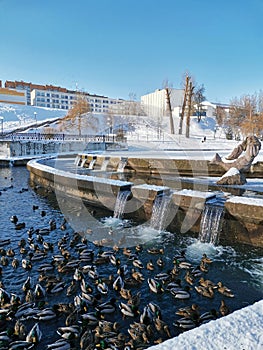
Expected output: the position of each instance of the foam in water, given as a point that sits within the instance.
(211, 222)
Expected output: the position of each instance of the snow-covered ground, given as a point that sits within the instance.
(241, 330)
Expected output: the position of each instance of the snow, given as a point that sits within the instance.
(246, 200)
(240, 330)
(231, 172)
(16, 116)
(194, 193)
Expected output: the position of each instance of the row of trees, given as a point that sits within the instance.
(245, 116)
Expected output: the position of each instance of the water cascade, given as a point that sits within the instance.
(120, 203)
(83, 161)
(160, 211)
(105, 164)
(211, 222)
(92, 163)
(122, 165)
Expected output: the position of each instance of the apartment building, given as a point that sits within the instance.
(51, 96)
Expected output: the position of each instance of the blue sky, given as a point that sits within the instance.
(118, 47)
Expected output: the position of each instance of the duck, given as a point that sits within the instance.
(155, 286)
(14, 219)
(118, 283)
(189, 278)
(185, 323)
(137, 263)
(34, 335)
(69, 332)
(102, 287)
(205, 259)
(206, 283)
(85, 287)
(27, 284)
(205, 291)
(135, 299)
(155, 250)
(160, 262)
(46, 314)
(10, 252)
(125, 293)
(72, 288)
(208, 316)
(108, 307)
(138, 276)
(86, 339)
(4, 260)
(128, 310)
(60, 344)
(203, 266)
(224, 309)
(180, 293)
(20, 330)
(224, 290)
(39, 291)
(150, 265)
(161, 326)
(91, 318)
(26, 264)
(189, 311)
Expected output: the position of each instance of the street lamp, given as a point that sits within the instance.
(2, 125)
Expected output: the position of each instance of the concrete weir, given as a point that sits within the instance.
(242, 216)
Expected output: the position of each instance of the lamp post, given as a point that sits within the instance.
(35, 115)
(2, 125)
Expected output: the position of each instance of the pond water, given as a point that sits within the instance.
(239, 267)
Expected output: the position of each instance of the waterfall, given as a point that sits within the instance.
(122, 165)
(92, 162)
(104, 164)
(83, 161)
(211, 223)
(120, 203)
(160, 211)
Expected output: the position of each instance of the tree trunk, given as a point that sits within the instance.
(169, 110)
(189, 109)
(184, 105)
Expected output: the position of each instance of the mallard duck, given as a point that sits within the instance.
(189, 278)
(118, 284)
(34, 335)
(86, 287)
(128, 310)
(205, 259)
(69, 332)
(224, 309)
(162, 327)
(102, 287)
(27, 284)
(39, 291)
(160, 262)
(206, 283)
(185, 323)
(180, 293)
(189, 311)
(205, 292)
(155, 250)
(155, 286)
(108, 307)
(137, 263)
(125, 293)
(208, 316)
(86, 339)
(135, 299)
(10, 252)
(138, 276)
(150, 265)
(224, 290)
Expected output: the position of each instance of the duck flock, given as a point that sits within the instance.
(78, 294)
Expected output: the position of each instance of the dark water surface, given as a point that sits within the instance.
(238, 267)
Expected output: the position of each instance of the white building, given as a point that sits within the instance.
(155, 103)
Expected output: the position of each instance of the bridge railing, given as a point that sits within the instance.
(56, 137)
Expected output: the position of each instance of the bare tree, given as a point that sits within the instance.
(80, 107)
(186, 86)
(189, 109)
(198, 98)
(169, 109)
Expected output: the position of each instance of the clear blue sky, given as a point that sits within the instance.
(118, 47)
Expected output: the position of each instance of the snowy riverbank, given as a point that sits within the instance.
(241, 330)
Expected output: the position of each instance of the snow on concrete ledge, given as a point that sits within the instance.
(246, 200)
(241, 330)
